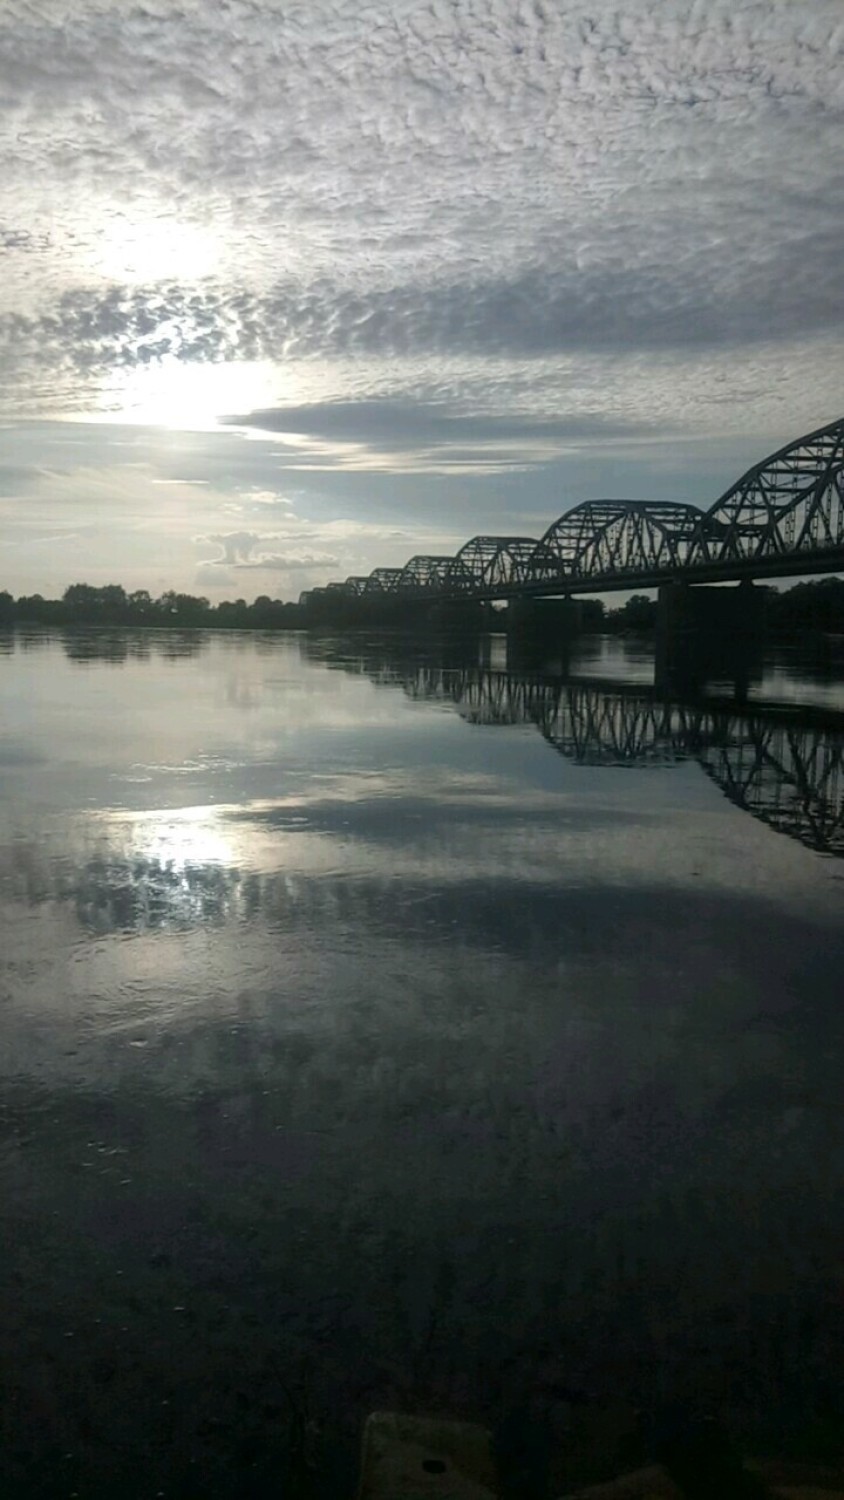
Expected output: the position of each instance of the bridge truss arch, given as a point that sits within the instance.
(493, 564)
(383, 581)
(618, 537)
(425, 572)
(790, 504)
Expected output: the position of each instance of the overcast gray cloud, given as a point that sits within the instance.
(476, 240)
(397, 423)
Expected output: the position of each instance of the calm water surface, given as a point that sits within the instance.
(383, 1028)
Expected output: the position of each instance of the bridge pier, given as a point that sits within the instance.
(540, 631)
(548, 620)
(459, 616)
(704, 631)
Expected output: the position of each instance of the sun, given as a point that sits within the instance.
(185, 395)
(137, 250)
(148, 251)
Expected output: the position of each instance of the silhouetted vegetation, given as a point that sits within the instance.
(110, 604)
(637, 616)
(807, 608)
(814, 607)
(817, 606)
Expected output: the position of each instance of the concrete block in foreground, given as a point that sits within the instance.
(423, 1458)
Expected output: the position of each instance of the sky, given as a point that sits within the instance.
(293, 290)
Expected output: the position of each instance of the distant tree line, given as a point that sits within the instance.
(85, 604)
(812, 607)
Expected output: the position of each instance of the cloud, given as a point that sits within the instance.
(21, 239)
(245, 549)
(199, 482)
(214, 574)
(310, 550)
(237, 546)
(400, 423)
(438, 265)
(292, 562)
(421, 437)
(267, 502)
(737, 293)
(463, 180)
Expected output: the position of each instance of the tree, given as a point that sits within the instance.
(87, 604)
(638, 613)
(592, 613)
(140, 604)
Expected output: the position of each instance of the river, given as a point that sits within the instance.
(382, 1027)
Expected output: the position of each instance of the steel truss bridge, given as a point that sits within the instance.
(784, 517)
(784, 768)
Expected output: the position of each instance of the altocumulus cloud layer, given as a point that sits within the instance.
(460, 238)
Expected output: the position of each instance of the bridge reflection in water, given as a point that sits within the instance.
(782, 764)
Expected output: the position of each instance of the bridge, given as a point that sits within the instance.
(784, 517)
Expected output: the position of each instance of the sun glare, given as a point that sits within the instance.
(141, 250)
(186, 396)
(183, 837)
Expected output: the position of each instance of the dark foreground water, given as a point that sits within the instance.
(388, 1030)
